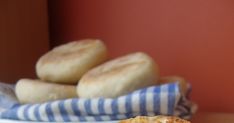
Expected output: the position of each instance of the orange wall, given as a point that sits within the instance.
(193, 39)
(23, 37)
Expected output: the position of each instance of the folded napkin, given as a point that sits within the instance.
(164, 99)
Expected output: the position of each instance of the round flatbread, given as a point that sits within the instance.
(119, 76)
(68, 62)
(37, 91)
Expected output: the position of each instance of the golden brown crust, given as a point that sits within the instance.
(155, 119)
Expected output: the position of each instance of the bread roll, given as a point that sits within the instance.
(119, 76)
(155, 119)
(68, 62)
(182, 82)
(37, 91)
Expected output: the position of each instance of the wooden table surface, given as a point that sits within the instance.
(213, 118)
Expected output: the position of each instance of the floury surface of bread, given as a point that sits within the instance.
(119, 76)
(155, 119)
(68, 62)
(37, 91)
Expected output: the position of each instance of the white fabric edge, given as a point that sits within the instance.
(16, 121)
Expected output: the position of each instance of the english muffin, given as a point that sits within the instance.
(68, 62)
(119, 76)
(37, 91)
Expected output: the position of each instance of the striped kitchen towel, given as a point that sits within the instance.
(165, 100)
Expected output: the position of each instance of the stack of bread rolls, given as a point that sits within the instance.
(59, 71)
(81, 69)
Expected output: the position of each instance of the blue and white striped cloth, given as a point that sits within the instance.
(165, 99)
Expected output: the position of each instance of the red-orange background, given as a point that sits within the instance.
(23, 37)
(191, 38)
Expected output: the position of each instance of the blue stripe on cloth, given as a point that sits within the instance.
(156, 100)
(108, 109)
(82, 119)
(74, 105)
(49, 112)
(114, 108)
(87, 105)
(36, 113)
(10, 114)
(76, 109)
(26, 112)
(142, 97)
(128, 105)
(171, 98)
(101, 106)
(63, 111)
(97, 118)
(16, 105)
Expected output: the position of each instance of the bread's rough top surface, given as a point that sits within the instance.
(69, 51)
(155, 119)
(68, 62)
(119, 76)
(121, 65)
